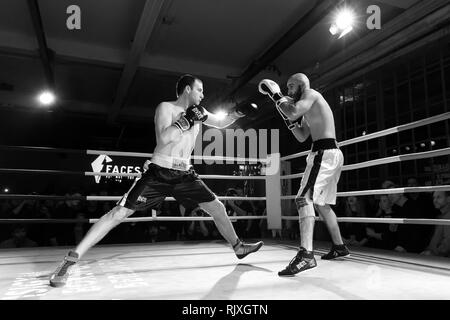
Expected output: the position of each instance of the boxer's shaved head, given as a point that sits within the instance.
(301, 79)
(297, 84)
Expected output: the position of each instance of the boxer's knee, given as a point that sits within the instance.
(214, 208)
(118, 214)
(323, 209)
(305, 207)
(301, 202)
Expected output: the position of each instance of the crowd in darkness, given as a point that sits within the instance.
(71, 233)
(412, 238)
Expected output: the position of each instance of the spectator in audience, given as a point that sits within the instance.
(198, 230)
(69, 209)
(19, 239)
(382, 235)
(440, 242)
(44, 234)
(25, 209)
(424, 200)
(354, 233)
(413, 237)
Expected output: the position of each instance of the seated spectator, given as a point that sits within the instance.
(412, 237)
(440, 242)
(199, 230)
(44, 234)
(68, 233)
(423, 199)
(19, 239)
(354, 233)
(382, 235)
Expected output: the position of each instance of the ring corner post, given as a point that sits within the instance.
(273, 192)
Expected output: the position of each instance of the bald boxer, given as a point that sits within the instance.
(169, 173)
(306, 113)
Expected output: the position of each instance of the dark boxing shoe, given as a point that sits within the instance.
(336, 251)
(59, 277)
(303, 260)
(243, 249)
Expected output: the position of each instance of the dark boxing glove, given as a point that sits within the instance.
(193, 113)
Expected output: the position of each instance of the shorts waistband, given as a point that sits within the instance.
(324, 144)
(169, 162)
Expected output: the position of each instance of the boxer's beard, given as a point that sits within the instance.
(297, 95)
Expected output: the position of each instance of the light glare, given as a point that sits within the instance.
(46, 98)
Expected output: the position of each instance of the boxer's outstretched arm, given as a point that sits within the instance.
(166, 132)
(219, 122)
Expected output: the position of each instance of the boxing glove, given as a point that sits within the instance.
(272, 89)
(193, 113)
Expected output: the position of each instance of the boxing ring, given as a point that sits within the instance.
(209, 270)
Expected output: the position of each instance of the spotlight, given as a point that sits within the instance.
(221, 114)
(46, 98)
(343, 23)
(6, 190)
(432, 143)
(334, 29)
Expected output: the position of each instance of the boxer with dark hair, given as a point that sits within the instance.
(170, 173)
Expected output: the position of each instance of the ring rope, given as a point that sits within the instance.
(138, 219)
(125, 154)
(112, 174)
(381, 133)
(104, 198)
(295, 218)
(444, 222)
(383, 191)
(376, 162)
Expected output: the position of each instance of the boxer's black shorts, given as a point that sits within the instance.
(158, 183)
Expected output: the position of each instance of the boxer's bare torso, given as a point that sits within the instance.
(319, 118)
(166, 114)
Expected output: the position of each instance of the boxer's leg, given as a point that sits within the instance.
(304, 259)
(217, 210)
(101, 228)
(330, 219)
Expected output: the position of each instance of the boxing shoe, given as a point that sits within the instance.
(336, 251)
(302, 261)
(242, 249)
(59, 277)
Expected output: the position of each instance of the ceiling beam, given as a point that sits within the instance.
(44, 51)
(17, 44)
(396, 38)
(403, 4)
(149, 16)
(306, 23)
